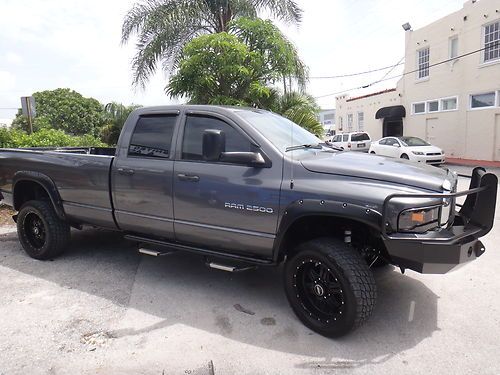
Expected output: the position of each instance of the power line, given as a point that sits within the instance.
(358, 73)
(406, 73)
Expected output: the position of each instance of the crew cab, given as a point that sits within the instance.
(244, 187)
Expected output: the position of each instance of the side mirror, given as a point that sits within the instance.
(396, 145)
(214, 144)
(252, 159)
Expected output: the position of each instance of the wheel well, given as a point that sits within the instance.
(310, 227)
(25, 191)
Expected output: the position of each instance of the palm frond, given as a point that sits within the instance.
(284, 10)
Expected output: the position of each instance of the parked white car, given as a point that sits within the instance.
(410, 148)
(356, 141)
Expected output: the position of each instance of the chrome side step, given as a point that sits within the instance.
(153, 253)
(144, 241)
(226, 268)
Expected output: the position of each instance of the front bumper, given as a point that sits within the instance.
(429, 159)
(446, 249)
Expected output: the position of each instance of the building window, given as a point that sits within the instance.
(419, 108)
(433, 106)
(349, 122)
(453, 47)
(341, 122)
(492, 42)
(449, 104)
(423, 63)
(483, 100)
(361, 121)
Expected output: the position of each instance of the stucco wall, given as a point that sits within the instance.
(464, 132)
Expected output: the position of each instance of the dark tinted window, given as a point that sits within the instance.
(192, 143)
(152, 136)
(359, 137)
(345, 137)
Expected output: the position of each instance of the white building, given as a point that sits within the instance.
(450, 91)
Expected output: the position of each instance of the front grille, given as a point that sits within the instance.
(433, 153)
(434, 161)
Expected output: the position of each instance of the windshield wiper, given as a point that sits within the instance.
(306, 146)
(336, 148)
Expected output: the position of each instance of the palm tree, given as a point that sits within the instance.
(163, 27)
(298, 107)
(116, 114)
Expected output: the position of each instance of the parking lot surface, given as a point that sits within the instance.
(101, 308)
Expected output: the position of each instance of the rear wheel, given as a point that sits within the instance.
(372, 152)
(404, 156)
(329, 286)
(41, 233)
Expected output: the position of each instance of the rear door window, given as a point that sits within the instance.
(152, 136)
(345, 137)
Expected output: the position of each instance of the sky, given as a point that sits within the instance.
(76, 44)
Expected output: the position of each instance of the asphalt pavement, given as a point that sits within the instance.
(102, 308)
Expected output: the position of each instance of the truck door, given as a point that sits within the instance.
(224, 206)
(141, 177)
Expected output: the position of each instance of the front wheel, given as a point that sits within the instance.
(372, 152)
(41, 233)
(329, 287)
(404, 156)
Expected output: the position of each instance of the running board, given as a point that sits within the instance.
(197, 250)
(223, 267)
(154, 253)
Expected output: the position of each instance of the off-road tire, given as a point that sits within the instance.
(56, 232)
(351, 273)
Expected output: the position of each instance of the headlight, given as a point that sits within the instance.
(419, 220)
(417, 152)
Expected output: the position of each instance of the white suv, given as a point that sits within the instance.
(356, 141)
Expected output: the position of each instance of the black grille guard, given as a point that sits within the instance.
(475, 218)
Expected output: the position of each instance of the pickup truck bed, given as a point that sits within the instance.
(81, 176)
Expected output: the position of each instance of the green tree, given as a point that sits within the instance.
(64, 109)
(280, 59)
(163, 27)
(116, 114)
(236, 68)
(219, 69)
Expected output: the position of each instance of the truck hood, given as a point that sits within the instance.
(363, 165)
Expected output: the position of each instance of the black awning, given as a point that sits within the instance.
(394, 111)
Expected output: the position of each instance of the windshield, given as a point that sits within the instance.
(413, 141)
(279, 130)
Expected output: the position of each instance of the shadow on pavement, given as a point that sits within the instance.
(249, 307)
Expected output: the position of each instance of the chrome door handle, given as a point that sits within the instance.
(126, 171)
(188, 177)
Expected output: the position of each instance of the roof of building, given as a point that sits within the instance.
(372, 94)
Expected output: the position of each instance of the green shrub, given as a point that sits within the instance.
(46, 138)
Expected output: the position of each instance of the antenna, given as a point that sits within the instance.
(291, 144)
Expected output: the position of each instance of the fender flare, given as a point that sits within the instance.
(316, 207)
(46, 183)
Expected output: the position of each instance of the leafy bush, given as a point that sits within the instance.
(14, 138)
(64, 109)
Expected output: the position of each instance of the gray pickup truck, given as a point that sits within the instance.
(245, 188)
